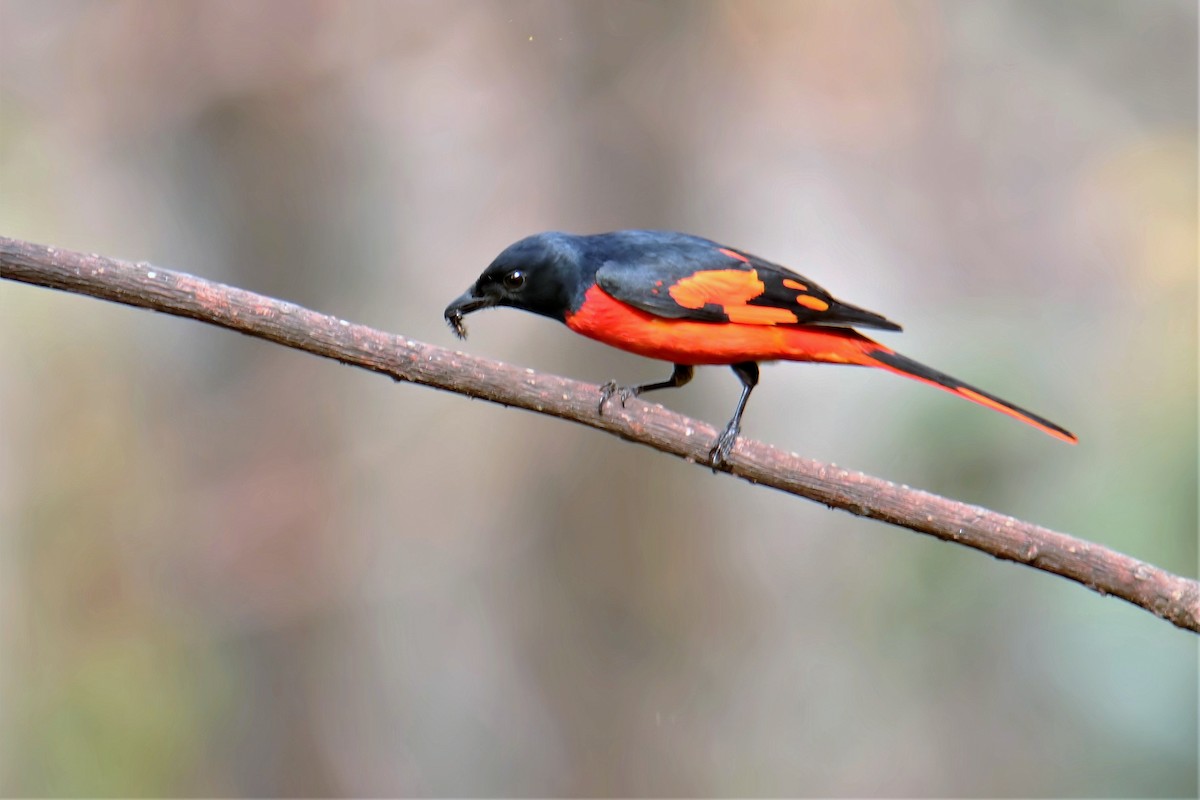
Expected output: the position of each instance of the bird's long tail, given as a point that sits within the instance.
(902, 365)
(850, 347)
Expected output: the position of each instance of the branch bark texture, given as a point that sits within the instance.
(1172, 597)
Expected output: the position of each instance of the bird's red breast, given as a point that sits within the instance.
(683, 341)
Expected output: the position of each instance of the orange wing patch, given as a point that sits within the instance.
(731, 290)
(759, 315)
(797, 285)
(721, 287)
(734, 254)
(815, 303)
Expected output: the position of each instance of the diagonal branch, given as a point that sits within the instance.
(1172, 597)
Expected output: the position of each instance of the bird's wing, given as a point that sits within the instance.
(710, 283)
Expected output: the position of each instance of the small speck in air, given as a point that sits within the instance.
(531, 38)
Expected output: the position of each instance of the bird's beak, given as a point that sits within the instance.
(469, 301)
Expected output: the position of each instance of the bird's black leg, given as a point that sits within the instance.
(747, 371)
(682, 374)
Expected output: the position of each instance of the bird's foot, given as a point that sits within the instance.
(623, 393)
(724, 444)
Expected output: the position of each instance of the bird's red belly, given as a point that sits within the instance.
(689, 342)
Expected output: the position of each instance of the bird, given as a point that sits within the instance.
(694, 302)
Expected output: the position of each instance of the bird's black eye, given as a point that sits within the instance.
(514, 280)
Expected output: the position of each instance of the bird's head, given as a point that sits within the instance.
(538, 274)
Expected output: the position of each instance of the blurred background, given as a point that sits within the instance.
(228, 568)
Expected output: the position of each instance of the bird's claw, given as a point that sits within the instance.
(723, 446)
(611, 388)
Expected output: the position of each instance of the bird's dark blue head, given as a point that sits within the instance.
(541, 273)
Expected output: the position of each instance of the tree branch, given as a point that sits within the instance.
(1172, 597)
